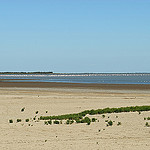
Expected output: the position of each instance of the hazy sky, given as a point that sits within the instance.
(75, 35)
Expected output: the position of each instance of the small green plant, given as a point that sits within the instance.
(68, 121)
(56, 122)
(10, 121)
(46, 111)
(27, 120)
(49, 122)
(106, 120)
(148, 118)
(93, 119)
(36, 112)
(144, 118)
(110, 123)
(119, 123)
(22, 109)
(147, 125)
(139, 112)
(103, 116)
(45, 122)
(88, 123)
(86, 120)
(18, 120)
(116, 116)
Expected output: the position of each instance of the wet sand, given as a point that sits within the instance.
(63, 98)
(26, 84)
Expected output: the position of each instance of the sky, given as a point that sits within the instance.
(75, 35)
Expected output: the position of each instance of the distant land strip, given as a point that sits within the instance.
(26, 73)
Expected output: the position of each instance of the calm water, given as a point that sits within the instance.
(109, 78)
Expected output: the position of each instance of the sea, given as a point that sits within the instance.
(103, 78)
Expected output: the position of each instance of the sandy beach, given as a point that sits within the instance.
(64, 98)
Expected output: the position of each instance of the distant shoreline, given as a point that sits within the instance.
(11, 73)
(75, 85)
(50, 72)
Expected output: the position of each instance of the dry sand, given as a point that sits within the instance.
(131, 134)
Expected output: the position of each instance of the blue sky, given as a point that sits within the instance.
(75, 35)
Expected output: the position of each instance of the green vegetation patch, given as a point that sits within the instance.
(82, 118)
(78, 117)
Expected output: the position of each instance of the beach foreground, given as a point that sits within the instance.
(131, 134)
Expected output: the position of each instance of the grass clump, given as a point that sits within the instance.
(147, 125)
(103, 116)
(10, 121)
(37, 112)
(46, 122)
(49, 122)
(27, 120)
(110, 123)
(22, 110)
(119, 123)
(18, 120)
(93, 119)
(69, 121)
(86, 120)
(148, 118)
(78, 121)
(56, 122)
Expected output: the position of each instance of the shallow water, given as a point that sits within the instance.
(108, 78)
